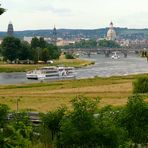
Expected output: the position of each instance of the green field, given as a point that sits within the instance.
(48, 96)
(26, 67)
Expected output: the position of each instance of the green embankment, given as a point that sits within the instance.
(26, 67)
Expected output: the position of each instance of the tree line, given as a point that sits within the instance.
(13, 49)
(85, 125)
(93, 44)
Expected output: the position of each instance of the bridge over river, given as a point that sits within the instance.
(105, 51)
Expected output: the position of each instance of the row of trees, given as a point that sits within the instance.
(14, 49)
(94, 44)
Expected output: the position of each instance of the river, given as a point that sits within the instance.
(104, 67)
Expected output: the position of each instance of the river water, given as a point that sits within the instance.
(104, 67)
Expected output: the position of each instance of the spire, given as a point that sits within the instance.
(10, 29)
(111, 25)
(54, 36)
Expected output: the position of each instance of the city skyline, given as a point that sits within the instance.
(70, 14)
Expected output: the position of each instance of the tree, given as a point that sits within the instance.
(108, 43)
(52, 121)
(45, 55)
(38, 43)
(69, 56)
(54, 52)
(2, 10)
(35, 43)
(42, 43)
(3, 114)
(134, 119)
(10, 48)
(83, 128)
(25, 51)
(17, 132)
(141, 85)
(77, 128)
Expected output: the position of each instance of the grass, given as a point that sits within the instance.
(26, 67)
(48, 96)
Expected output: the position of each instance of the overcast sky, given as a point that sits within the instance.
(90, 14)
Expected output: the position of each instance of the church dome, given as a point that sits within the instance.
(111, 34)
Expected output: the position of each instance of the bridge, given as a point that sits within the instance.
(105, 51)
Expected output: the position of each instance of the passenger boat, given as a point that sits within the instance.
(51, 72)
(115, 56)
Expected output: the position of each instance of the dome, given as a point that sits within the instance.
(111, 34)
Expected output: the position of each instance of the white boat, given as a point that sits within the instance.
(115, 56)
(51, 72)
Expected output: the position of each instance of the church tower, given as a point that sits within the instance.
(54, 36)
(111, 34)
(10, 30)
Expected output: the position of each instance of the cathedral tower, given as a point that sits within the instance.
(10, 30)
(54, 36)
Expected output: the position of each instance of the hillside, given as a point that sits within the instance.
(86, 33)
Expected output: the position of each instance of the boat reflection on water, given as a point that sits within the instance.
(52, 72)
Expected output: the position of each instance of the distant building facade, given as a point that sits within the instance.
(10, 30)
(29, 39)
(111, 34)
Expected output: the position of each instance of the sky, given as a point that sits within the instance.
(73, 14)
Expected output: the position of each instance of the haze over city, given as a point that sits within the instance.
(77, 14)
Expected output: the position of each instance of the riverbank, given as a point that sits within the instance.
(26, 67)
(48, 96)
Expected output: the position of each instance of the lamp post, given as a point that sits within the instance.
(17, 104)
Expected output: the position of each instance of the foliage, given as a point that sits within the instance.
(10, 48)
(141, 85)
(84, 126)
(108, 43)
(3, 114)
(38, 43)
(24, 52)
(134, 118)
(69, 56)
(14, 50)
(2, 10)
(12, 137)
(83, 44)
(54, 52)
(45, 55)
(17, 132)
(77, 127)
(52, 121)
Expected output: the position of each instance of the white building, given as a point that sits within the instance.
(111, 34)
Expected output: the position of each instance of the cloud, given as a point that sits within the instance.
(74, 13)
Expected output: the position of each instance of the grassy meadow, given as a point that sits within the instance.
(48, 96)
(61, 61)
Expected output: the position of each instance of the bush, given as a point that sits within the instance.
(69, 56)
(141, 85)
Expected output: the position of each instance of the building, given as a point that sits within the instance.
(10, 30)
(111, 34)
(29, 39)
(54, 36)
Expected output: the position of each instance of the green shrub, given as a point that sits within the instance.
(141, 85)
(69, 56)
